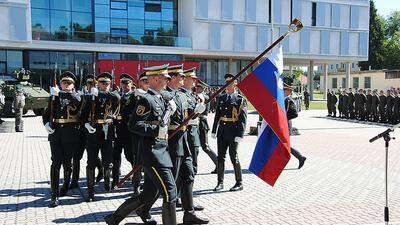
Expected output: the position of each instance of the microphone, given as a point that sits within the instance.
(386, 132)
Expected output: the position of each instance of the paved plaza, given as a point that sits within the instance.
(342, 181)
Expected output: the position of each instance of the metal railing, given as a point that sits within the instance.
(107, 38)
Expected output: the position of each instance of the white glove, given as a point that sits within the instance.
(48, 128)
(214, 135)
(172, 105)
(200, 108)
(54, 91)
(238, 139)
(90, 129)
(79, 95)
(162, 132)
(94, 91)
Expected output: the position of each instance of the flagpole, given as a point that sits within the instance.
(294, 26)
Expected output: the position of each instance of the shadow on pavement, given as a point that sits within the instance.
(244, 171)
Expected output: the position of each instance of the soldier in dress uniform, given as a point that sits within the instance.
(19, 104)
(196, 105)
(2, 102)
(328, 102)
(382, 107)
(179, 150)
(340, 105)
(230, 119)
(374, 106)
(62, 123)
(396, 108)
(204, 127)
(150, 121)
(291, 113)
(362, 104)
(389, 106)
(350, 104)
(99, 112)
(78, 155)
(306, 99)
(123, 140)
(333, 102)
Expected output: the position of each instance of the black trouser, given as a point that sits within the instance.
(194, 144)
(296, 154)
(223, 145)
(95, 143)
(156, 181)
(203, 133)
(123, 143)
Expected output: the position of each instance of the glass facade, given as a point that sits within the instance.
(107, 21)
(10, 61)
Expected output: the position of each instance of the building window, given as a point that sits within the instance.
(334, 82)
(344, 82)
(118, 5)
(392, 75)
(356, 82)
(367, 82)
(314, 14)
(150, 7)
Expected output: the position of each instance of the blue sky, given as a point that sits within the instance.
(387, 6)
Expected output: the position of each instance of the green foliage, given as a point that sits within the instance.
(392, 51)
(393, 24)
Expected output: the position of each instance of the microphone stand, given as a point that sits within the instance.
(386, 136)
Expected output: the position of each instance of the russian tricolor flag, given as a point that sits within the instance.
(264, 89)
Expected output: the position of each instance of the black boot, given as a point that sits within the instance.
(238, 177)
(54, 182)
(76, 167)
(169, 213)
(190, 217)
(100, 169)
(115, 174)
(130, 205)
(221, 171)
(67, 180)
(90, 184)
(301, 162)
(107, 175)
(146, 217)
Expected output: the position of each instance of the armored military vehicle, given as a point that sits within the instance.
(36, 98)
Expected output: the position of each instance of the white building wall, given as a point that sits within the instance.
(285, 12)
(315, 37)
(364, 18)
(239, 7)
(294, 43)
(214, 9)
(262, 11)
(306, 12)
(227, 37)
(335, 43)
(353, 43)
(201, 36)
(344, 16)
(251, 39)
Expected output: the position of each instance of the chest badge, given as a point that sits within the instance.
(140, 110)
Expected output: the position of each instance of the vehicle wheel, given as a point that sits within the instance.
(38, 112)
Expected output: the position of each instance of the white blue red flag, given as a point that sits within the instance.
(264, 89)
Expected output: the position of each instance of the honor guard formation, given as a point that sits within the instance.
(365, 105)
(145, 119)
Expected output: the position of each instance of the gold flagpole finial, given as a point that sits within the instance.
(295, 26)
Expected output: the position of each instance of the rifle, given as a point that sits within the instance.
(92, 117)
(53, 98)
(113, 85)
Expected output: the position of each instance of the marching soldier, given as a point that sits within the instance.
(19, 104)
(196, 105)
(150, 121)
(123, 140)
(306, 99)
(179, 150)
(291, 113)
(230, 119)
(99, 112)
(374, 106)
(62, 123)
(333, 102)
(78, 155)
(382, 107)
(204, 127)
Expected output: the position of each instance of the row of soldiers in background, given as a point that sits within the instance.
(139, 121)
(366, 105)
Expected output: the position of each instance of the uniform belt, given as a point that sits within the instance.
(63, 121)
(103, 121)
(152, 122)
(118, 118)
(174, 127)
(225, 119)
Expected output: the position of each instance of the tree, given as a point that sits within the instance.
(392, 51)
(376, 40)
(393, 24)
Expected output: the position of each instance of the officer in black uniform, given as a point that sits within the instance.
(375, 105)
(98, 115)
(230, 119)
(333, 102)
(150, 121)
(328, 102)
(291, 113)
(396, 108)
(78, 154)
(368, 106)
(203, 126)
(123, 140)
(195, 105)
(340, 105)
(350, 104)
(62, 123)
(362, 104)
(178, 147)
(389, 106)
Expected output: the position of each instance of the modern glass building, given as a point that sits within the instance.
(221, 35)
